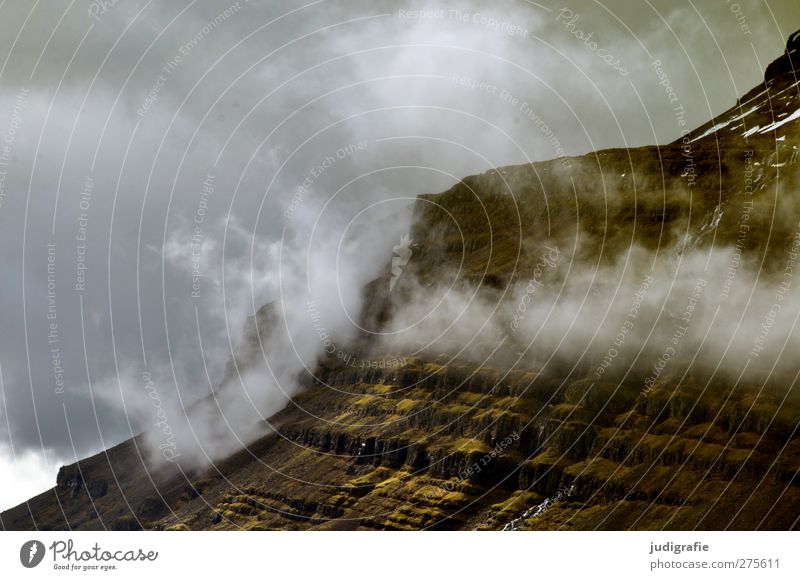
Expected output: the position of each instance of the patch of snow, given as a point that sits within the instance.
(713, 129)
(756, 96)
(776, 124)
(743, 115)
(751, 131)
(781, 138)
(715, 219)
(539, 509)
(777, 165)
(773, 98)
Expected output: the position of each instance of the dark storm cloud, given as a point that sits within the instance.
(135, 123)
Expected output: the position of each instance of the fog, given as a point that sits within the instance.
(638, 321)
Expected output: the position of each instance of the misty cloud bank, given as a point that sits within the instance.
(641, 320)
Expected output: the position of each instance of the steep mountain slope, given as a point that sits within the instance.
(412, 436)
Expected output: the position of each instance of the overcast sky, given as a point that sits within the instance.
(145, 143)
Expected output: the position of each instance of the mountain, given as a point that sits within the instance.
(490, 432)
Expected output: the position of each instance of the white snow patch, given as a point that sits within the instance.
(539, 509)
(776, 124)
(714, 221)
(781, 138)
(716, 218)
(743, 115)
(751, 131)
(713, 129)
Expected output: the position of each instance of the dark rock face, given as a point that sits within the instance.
(97, 489)
(788, 62)
(70, 479)
(470, 460)
(152, 508)
(126, 524)
(794, 42)
(433, 443)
